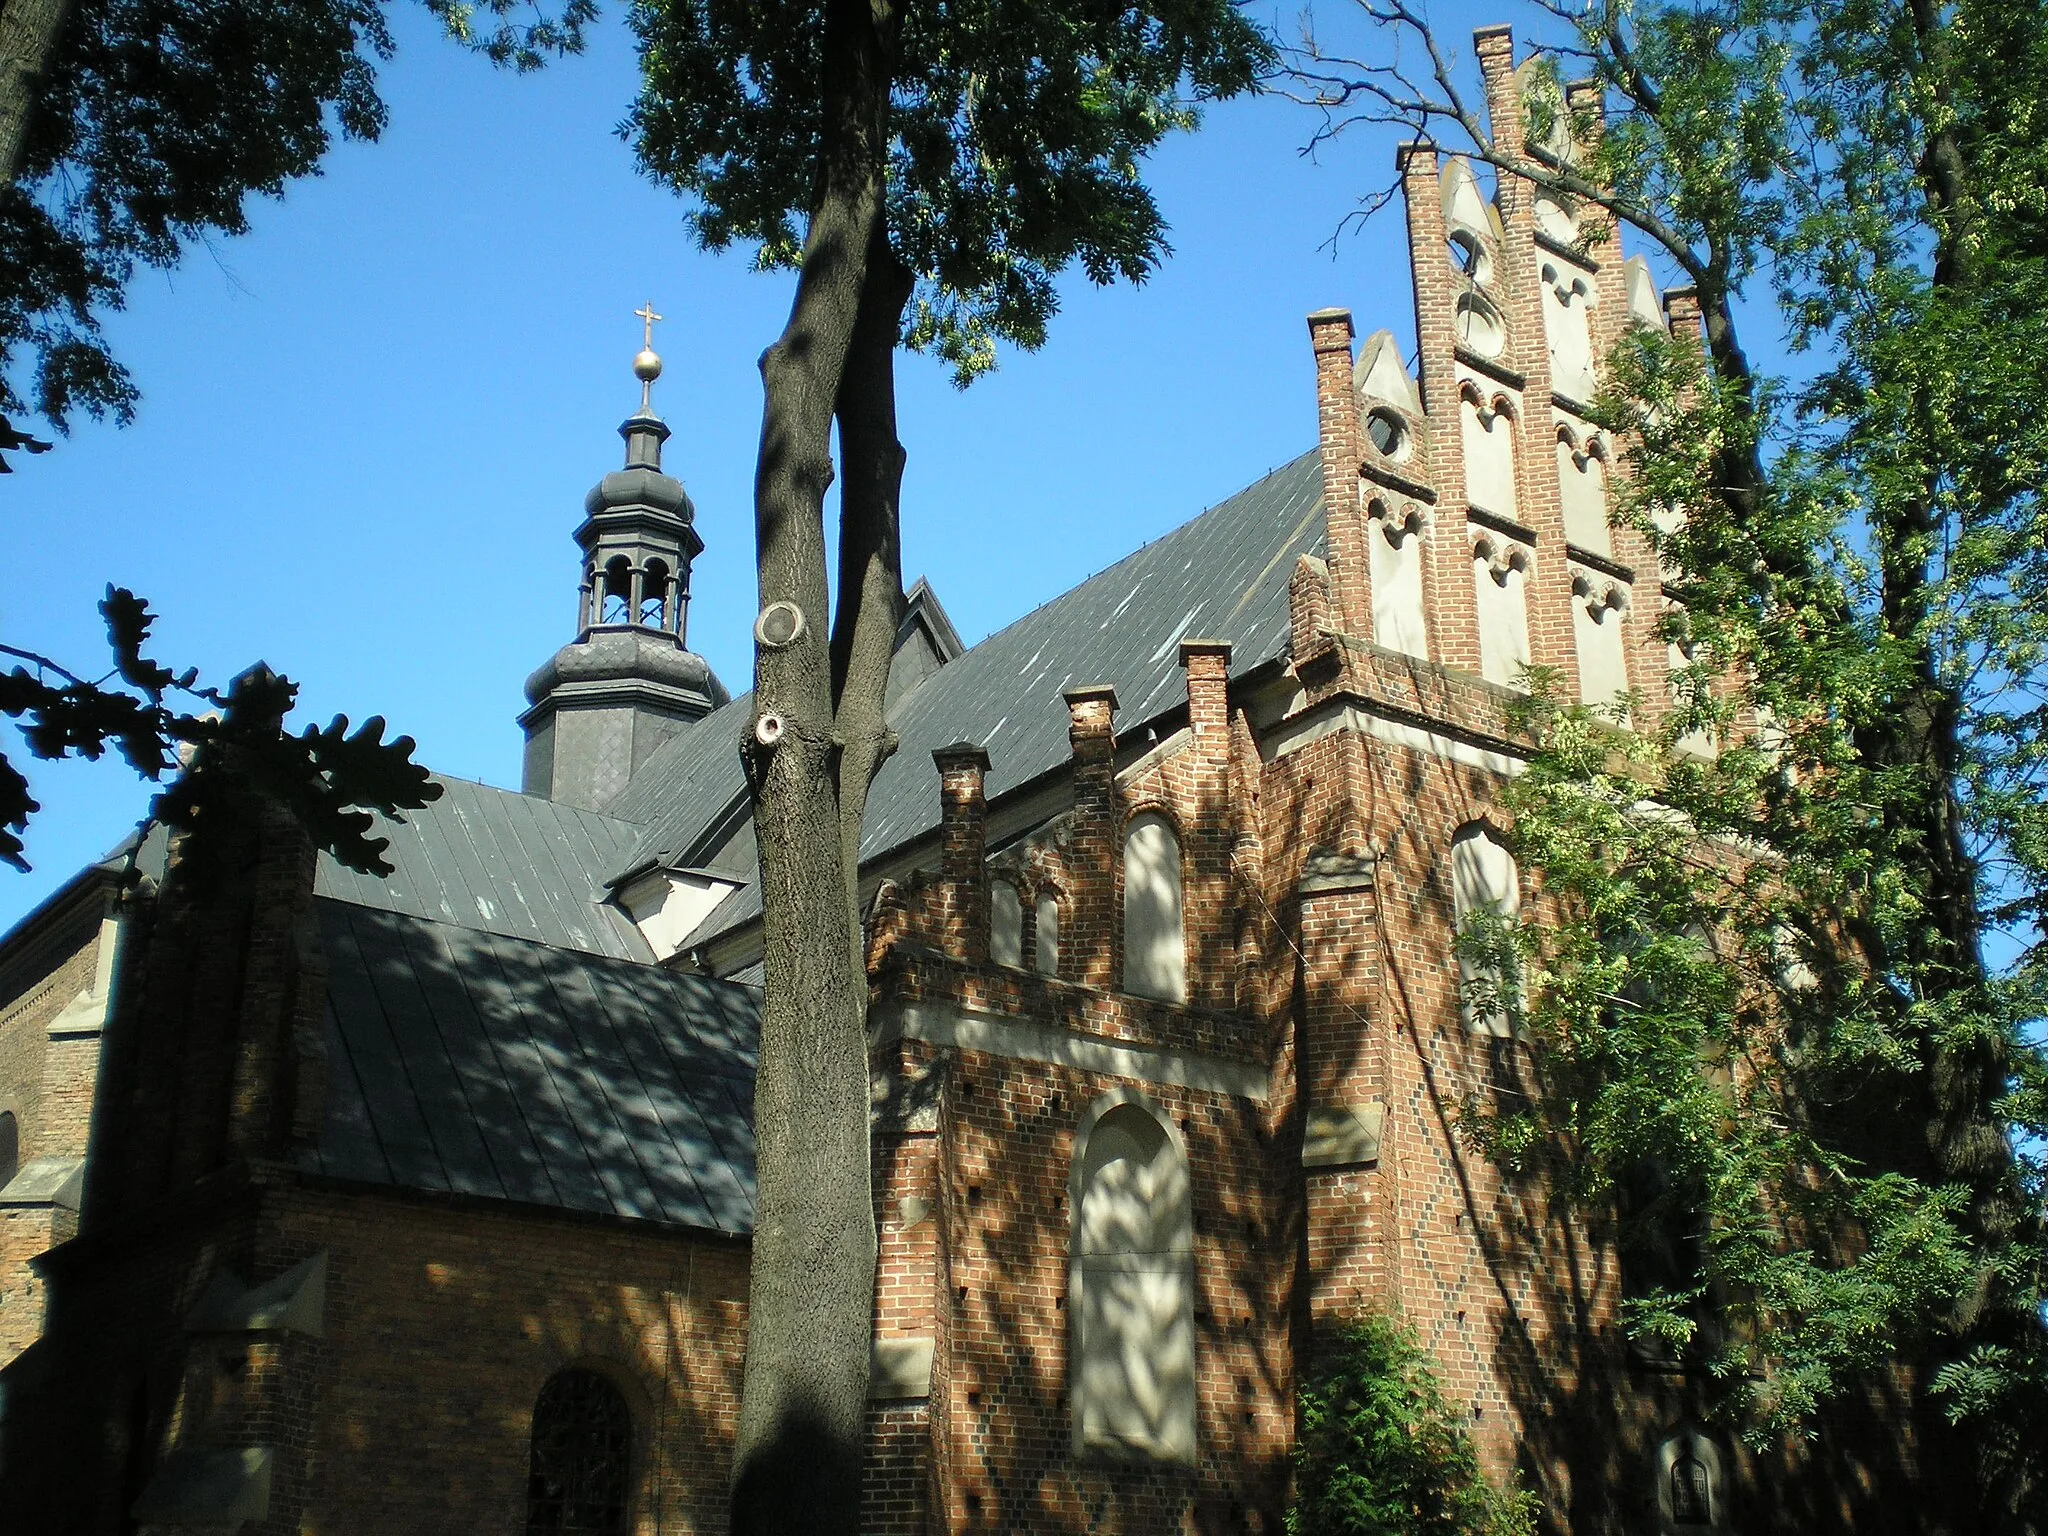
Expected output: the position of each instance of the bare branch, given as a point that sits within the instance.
(1350, 91)
(44, 663)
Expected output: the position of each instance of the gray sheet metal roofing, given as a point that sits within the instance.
(1222, 576)
(501, 862)
(480, 1064)
(685, 787)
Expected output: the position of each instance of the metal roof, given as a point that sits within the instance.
(501, 862)
(1222, 576)
(476, 1063)
(684, 788)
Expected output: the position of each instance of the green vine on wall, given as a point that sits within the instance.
(1383, 1453)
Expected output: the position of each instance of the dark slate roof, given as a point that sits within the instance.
(501, 862)
(684, 789)
(479, 1064)
(1222, 576)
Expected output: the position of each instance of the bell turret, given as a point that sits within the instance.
(627, 683)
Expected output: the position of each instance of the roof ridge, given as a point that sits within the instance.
(1126, 558)
(499, 789)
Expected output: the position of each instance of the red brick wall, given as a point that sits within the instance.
(895, 1493)
(47, 1085)
(1346, 541)
(1002, 1414)
(1512, 1296)
(444, 1323)
(412, 1414)
(996, 1259)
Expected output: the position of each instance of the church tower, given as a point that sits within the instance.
(603, 703)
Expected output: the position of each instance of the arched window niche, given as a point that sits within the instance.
(1155, 941)
(580, 1465)
(1397, 617)
(1486, 889)
(1005, 922)
(1600, 606)
(1568, 326)
(1045, 953)
(1582, 488)
(1488, 432)
(1500, 581)
(1131, 1285)
(1692, 1486)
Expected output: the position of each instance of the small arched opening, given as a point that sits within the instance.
(1486, 902)
(654, 596)
(580, 1465)
(615, 599)
(1488, 437)
(1582, 488)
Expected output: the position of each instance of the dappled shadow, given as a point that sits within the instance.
(1506, 1284)
(511, 1159)
(1007, 1286)
(484, 1065)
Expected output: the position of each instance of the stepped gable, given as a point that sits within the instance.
(1222, 575)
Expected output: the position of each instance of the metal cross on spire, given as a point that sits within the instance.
(647, 366)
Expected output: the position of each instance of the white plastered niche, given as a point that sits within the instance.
(1486, 421)
(1568, 326)
(1500, 583)
(1582, 486)
(1399, 535)
(1600, 605)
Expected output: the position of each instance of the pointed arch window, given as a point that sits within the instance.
(1005, 923)
(1155, 941)
(580, 1462)
(1486, 892)
(1131, 1286)
(1045, 955)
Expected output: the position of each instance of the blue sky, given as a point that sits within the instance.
(367, 427)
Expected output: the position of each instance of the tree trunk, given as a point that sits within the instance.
(29, 30)
(870, 550)
(1966, 1071)
(797, 1457)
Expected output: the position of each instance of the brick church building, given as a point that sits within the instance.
(421, 1205)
